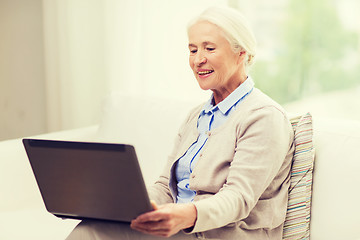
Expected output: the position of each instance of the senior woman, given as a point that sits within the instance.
(228, 175)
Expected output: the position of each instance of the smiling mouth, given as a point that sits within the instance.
(205, 72)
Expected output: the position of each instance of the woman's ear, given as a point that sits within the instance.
(242, 55)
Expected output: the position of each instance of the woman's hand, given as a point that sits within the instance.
(166, 220)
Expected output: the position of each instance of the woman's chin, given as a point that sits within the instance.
(204, 87)
(204, 84)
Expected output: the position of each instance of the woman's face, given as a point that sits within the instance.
(215, 65)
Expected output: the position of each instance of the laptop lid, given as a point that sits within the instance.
(88, 180)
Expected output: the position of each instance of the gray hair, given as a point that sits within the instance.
(236, 30)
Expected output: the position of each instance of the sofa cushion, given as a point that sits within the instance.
(297, 223)
(149, 123)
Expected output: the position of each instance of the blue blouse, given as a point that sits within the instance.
(210, 118)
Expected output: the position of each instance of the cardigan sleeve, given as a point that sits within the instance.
(261, 160)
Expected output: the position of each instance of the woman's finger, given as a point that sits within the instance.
(153, 228)
(154, 205)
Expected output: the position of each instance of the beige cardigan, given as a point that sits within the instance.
(242, 177)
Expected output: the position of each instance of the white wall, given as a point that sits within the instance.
(94, 47)
(146, 45)
(60, 58)
(22, 90)
(76, 78)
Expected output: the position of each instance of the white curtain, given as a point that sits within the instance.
(93, 47)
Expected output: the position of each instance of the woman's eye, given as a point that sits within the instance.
(210, 49)
(193, 51)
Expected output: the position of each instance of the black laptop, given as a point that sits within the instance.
(86, 180)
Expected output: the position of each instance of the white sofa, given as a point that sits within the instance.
(151, 126)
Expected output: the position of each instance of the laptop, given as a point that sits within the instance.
(86, 180)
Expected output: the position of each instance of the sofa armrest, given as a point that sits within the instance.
(17, 183)
(78, 134)
(335, 212)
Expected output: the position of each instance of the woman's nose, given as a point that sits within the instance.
(200, 59)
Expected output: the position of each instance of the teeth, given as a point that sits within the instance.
(205, 72)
